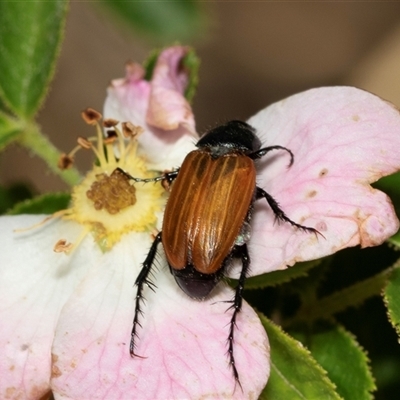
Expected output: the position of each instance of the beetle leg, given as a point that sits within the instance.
(262, 152)
(142, 280)
(279, 213)
(243, 253)
(168, 176)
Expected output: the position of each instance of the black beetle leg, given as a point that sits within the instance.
(279, 213)
(168, 176)
(142, 280)
(262, 152)
(243, 253)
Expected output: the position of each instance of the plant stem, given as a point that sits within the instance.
(33, 139)
(352, 296)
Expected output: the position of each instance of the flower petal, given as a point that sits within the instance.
(168, 108)
(34, 285)
(183, 341)
(158, 106)
(128, 98)
(342, 139)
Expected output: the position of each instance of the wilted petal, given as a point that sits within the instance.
(158, 106)
(168, 108)
(342, 139)
(35, 282)
(184, 341)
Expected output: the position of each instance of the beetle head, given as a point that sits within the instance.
(234, 135)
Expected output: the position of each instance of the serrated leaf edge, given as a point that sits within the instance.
(265, 321)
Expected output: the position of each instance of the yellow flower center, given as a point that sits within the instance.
(107, 203)
(114, 193)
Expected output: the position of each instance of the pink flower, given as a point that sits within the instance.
(66, 318)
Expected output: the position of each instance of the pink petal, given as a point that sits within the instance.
(157, 106)
(128, 98)
(342, 139)
(34, 285)
(168, 108)
(183, 340)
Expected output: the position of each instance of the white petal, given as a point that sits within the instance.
(35, 282)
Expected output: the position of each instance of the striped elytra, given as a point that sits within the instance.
(209, 202)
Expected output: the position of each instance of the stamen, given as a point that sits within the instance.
(65, 161)
(84, 143)
(107, 203)
(109, 142)
(57, 214)
(100, 149)
(131, 131)
(110, 123)
(111, 136)
(91, 116)
(62, 246)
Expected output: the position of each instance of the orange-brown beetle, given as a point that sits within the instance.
(207, 217)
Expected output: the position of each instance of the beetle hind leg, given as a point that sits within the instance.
(279, 213)
(142, 280)
(242, 253)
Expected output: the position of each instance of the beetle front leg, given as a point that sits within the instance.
(142, 280)
(262, 152)
(168, 176)
(243, 253)
(279, 213)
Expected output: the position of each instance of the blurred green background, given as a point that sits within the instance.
(253, 53)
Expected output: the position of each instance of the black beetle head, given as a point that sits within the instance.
(234, 135)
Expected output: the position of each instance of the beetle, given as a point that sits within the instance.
(207, 217)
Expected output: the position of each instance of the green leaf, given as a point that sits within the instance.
(192, 64)
(10, 128)
(295, 374)
(395, 240)
(338, 352)
(392, 299)
(351, 296)
(278, 277)
(150, 63)
(165, 21)
(386, 371)
(30, 36)
(13, 194)
(45, 204)
(391, 186)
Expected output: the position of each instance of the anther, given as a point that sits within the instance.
(110, 123)
(62, 246)
(65, 161)
(91, 116)
(84, 143)
(112, 193)
(111, 136)
(131, 131)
